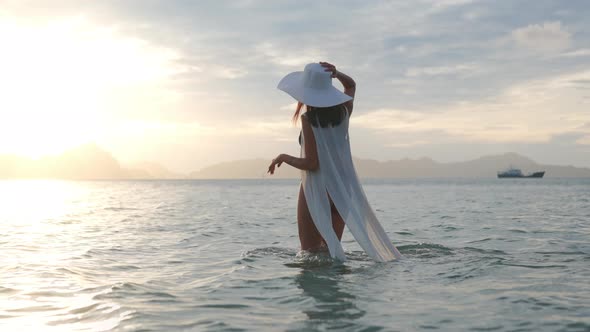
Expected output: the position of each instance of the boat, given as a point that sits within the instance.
(517, 173)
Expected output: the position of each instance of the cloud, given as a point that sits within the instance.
(273, 128)
(392, 119)
(462, 69)
(546, 37)
(229, 72)
(584, 131)
(476, 14)
(407, 144)
(290, 107)
(577, 53)
(523, 113)
(444, 4)
(160, 130)
(288, 57)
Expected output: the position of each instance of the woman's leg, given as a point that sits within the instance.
(310, 238)
(337, 221)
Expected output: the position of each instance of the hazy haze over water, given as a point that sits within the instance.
(483, 254)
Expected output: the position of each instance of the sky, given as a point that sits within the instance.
(188, 84)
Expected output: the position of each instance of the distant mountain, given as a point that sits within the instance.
(92, 162)
(156, 171)
(12, 166)
(244, 169)
(489, 165)
(483, 167)
(88, 162)
(84, 162)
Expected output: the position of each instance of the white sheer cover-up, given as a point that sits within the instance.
(337, 177)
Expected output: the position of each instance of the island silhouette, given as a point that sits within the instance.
(91, 162)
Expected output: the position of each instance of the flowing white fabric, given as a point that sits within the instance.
(336, 177)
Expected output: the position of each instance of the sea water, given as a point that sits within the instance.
(480, 255)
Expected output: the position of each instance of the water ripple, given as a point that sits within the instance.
(207, 255)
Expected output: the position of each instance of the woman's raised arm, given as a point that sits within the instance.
(347, 82)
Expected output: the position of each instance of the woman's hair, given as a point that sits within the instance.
(322, 116)
(297, 112)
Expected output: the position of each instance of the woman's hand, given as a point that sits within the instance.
(347, 82)
(329, 67)
(276, 162)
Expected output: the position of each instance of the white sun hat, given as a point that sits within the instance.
(313, 87)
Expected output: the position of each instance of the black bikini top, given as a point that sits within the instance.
(325, 116)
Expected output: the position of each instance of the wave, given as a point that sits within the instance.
(309, 259)
(529, 266)
(7, 291)
(137, 290)
(306, 259)
(425, 250)
(485, 251)
(120, 208)
(302, 258)
(251, 255)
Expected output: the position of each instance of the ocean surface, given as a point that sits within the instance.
(480, 255)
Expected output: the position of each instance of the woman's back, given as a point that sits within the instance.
(326, 116)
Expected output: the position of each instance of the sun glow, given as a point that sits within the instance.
(60, 80)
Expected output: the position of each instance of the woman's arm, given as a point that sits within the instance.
(310, 162)
(347, 82)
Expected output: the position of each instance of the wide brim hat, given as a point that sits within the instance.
(313, 87)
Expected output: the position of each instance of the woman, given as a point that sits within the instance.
(330, 194)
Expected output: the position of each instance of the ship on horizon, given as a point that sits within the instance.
(517, 173)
